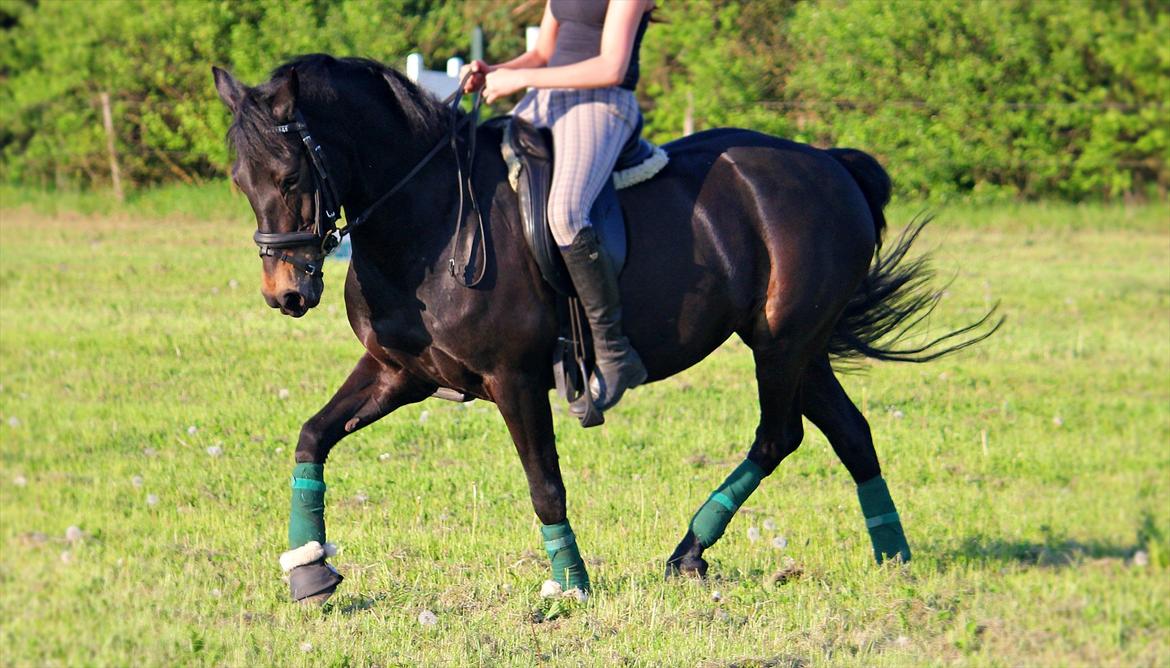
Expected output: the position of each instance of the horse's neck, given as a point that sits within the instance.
(422, 222)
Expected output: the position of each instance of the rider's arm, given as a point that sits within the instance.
(608, 68)
(538, 57)
(545, 44)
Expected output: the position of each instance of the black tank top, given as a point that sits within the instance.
(579, 24)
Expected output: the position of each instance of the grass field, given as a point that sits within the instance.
(152, 400)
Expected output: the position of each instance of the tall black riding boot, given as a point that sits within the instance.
(618, 367)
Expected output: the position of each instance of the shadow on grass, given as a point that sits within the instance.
(353, 604)
(1049, 553)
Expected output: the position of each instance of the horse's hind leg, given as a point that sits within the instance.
(778, 374)
(825, 403)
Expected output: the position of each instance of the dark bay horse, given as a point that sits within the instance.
(741, 233)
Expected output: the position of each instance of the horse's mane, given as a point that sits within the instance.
(319, 76)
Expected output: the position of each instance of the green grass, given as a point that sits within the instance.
(1028, 471)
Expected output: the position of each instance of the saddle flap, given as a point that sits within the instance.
(528, 150)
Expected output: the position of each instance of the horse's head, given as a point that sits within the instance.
(294, 209)
(376, 125)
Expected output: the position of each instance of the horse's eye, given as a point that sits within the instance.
(289, 182)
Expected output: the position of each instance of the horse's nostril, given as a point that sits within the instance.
(293, 301)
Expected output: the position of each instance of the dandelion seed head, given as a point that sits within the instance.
(716, 596)
(192, 430)
(282, 393)
(1058, 421)
(427, 618)
(779, 542)
(214, 450)
(13, 421)
(306, 647)
(136, 481)
(1141, 558)
(66, 557)
(149, 452)
(233, 284)
(423, 416)
(384, 457)
(19, 481)
(152, 499)
(898, 415)
(753, 534)
(73, 534)
(769, 524)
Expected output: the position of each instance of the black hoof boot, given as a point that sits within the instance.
(313, 583)
(687, 559)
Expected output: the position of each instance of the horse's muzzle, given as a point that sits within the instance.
(292, 302)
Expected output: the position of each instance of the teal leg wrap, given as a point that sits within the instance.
(306, 521)
(567, 566)
(713, 517)
(881, 519)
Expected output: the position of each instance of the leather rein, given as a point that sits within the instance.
(326, 236)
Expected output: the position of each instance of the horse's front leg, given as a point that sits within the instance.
(372, 391)
(523, 402)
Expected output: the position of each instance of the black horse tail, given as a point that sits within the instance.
(873, 180)
(895, 295)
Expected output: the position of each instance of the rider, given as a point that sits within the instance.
(582, 75)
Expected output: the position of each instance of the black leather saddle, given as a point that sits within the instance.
(528, 152)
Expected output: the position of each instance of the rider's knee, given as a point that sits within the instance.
(565, 218)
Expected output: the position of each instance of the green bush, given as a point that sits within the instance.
(997, 97)
(991, 98)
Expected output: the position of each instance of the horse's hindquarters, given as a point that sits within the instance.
(740, 233)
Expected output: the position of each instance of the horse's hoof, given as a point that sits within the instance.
(688, 566)
(317, 600)
(313, 583)
(687, 559)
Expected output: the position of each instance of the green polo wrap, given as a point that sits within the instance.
(568, 569)
(713, 517)
(306, 520)
(881, 520)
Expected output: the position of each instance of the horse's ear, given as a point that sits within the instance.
(230, 90)
(284, 98)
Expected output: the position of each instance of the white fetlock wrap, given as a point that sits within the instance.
(306, 554)
(550, 588)
(553, 589)
(577, 594)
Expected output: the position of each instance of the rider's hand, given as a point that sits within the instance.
(502, 83)
(479, 70)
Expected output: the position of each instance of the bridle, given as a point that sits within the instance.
(326, 236)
